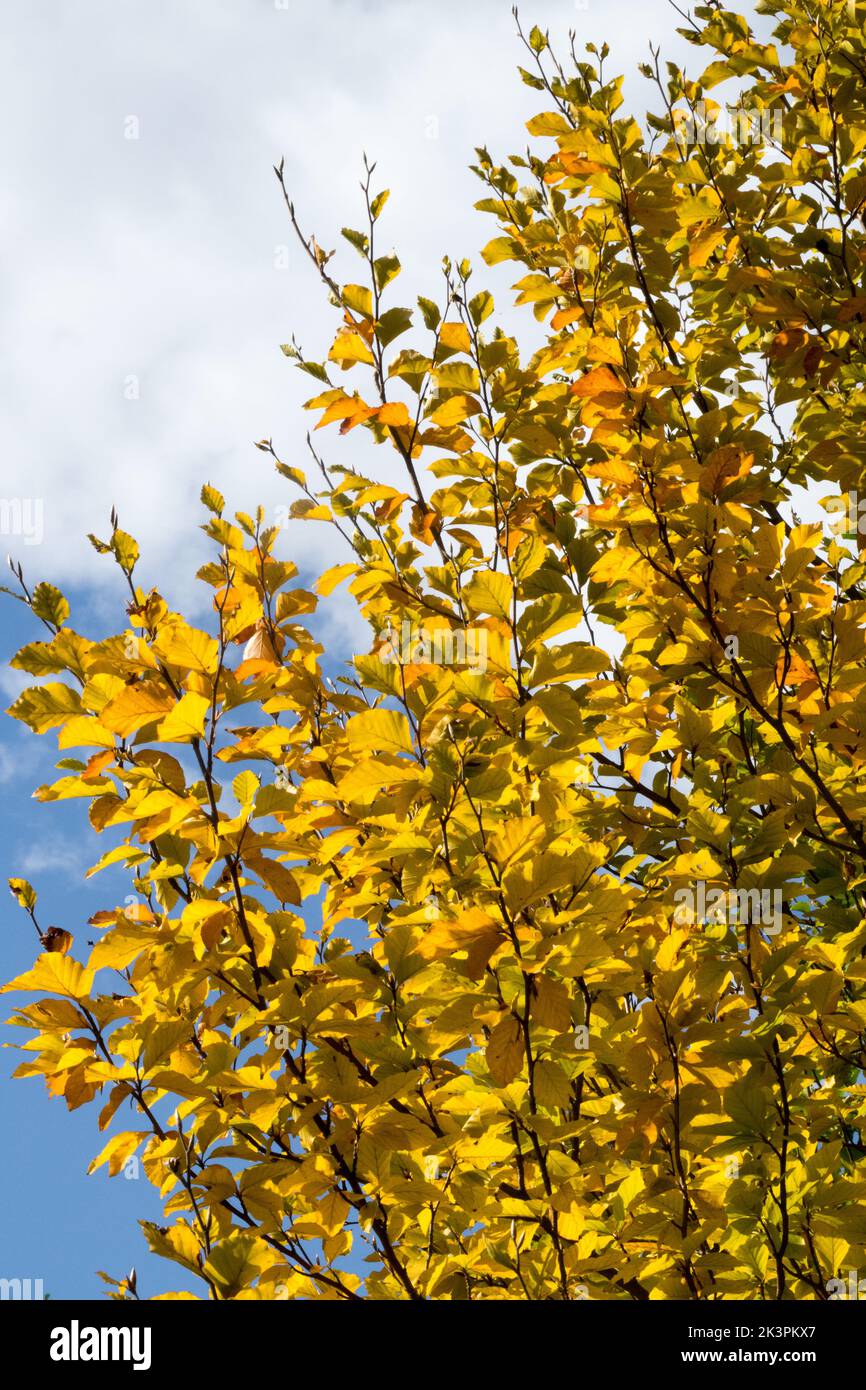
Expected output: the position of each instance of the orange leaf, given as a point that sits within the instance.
(601, 381)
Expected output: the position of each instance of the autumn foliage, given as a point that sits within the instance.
(408, 997)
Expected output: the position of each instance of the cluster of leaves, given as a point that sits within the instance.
(497, 1064)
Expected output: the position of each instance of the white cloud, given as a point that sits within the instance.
(55, 854)
(153, 258)
(17, 760)
(12, 682)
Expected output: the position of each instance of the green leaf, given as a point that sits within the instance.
(430, 313)
(385, 269)
(392, 324)
(360, 242)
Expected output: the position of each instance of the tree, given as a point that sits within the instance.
(581, 1010)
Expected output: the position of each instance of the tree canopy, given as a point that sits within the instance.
(523, 956)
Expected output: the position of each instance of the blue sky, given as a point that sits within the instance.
(151, 286)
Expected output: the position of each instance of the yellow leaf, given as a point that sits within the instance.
(489, 592)
(395, 1131)
(23, 892)
(667, 952)
(189, 647)
(231, 1265)
(327, 582)
(454, 337)
(516, 839)
(473, 932)
(84, 732)
(120, 946)
(207, 919)
(277, 877)
(725, 465)
(384, 729)
(307, 510)
(117, 1151)
(613, 565)
(505, 1051)
(186, 721)
(394, 414)
(702, 246)
(703, 208)
(552, 1086)
(602, 349)
(551, 1004)
(43, 706)
(134, 706)
(454, 410)
(372, 775)
(333, 1210)
(349, 347)
(576, 661)
(600, 381)
(57, 974)
(244, 788)
(344, 408)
